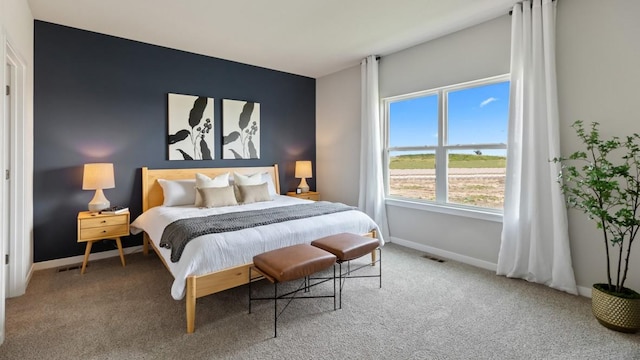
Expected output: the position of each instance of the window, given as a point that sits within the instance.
(448, 145)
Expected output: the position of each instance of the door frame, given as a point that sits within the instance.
(2, 239)
(20, 263)
(20, 188)
(5, 194)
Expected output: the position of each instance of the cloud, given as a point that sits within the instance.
(488, 101)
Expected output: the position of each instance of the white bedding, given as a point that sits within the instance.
(214, 252)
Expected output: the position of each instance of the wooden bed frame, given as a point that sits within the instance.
(207, 284)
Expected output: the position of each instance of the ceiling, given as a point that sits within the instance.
(304, 37)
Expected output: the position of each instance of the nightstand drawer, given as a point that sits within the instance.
(313, 197)
(104, 232)
(94, 227)
(101, 221)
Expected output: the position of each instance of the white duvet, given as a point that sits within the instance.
(214, 252)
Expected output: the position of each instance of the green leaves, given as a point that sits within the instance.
(604, 183)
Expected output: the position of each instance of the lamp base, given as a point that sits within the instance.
(99, 202)
(303, 185)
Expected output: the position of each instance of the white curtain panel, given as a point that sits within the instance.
(371, 196)
(535, 238)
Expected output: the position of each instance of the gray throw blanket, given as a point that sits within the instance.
(177, 234)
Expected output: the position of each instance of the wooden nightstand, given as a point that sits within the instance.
(311, 195)
(94, 227)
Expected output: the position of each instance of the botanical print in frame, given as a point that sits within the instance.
(191, 134)
(241, 129)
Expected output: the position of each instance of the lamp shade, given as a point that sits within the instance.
(98, 176)
(303, 169)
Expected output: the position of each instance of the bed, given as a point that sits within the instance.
(208, 265)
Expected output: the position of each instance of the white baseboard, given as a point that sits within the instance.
(49, 264)
(446, 254)
(583, 291)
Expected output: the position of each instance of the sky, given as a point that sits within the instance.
(477, 115)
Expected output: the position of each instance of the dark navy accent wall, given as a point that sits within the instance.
(99, 98)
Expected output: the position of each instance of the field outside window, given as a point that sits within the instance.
(448, 145)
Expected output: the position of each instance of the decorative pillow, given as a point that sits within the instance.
(203, 181)
(254, 179)
(272, 188)
(254, 193)
(217, 196)
(178, 192)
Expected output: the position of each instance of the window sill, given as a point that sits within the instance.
(475, 213)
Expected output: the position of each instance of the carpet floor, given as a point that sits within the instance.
(425, 310)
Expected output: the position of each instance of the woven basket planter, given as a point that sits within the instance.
(614, 312)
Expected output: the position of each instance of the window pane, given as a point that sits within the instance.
(412, 174)
(414, 122)
(476, 177)
(478, 115)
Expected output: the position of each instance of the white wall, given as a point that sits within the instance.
(16, 26)
(598, 65)
(443, 61)
(338, 136)
(474, 53)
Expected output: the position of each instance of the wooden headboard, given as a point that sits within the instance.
(152, 192)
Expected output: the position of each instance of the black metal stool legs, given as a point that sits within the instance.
(304, 286)
(344, 276)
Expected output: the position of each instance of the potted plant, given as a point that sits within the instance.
(604, 183)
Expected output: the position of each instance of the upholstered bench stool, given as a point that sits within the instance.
(347, 247)
(291, 263)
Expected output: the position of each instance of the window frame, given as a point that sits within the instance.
(441, 150)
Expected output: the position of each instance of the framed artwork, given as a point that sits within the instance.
(241, 129)
(191, 134)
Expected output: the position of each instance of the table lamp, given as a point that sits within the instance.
(303, 171)
(96, 177)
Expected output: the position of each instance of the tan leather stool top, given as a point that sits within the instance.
(293, 262)
(347, 246)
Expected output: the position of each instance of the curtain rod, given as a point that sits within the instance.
(520, 2)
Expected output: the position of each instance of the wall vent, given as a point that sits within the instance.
(67, 268)
(432, 258)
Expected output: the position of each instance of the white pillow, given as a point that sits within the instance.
(255, 179)
(178, 192)
(270, 186)
(203, 181)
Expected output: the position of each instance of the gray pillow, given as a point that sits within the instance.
(217, 196)
(254, 193)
